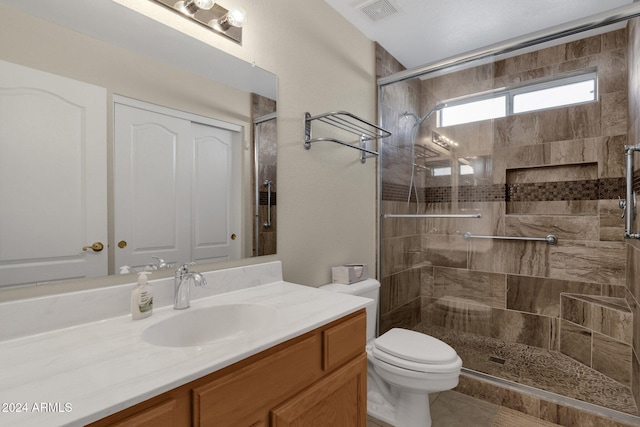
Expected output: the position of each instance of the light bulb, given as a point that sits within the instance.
(204, 4)
(237, 16)
(190, 7)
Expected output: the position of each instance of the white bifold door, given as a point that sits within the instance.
(53, 177)
(176, 186)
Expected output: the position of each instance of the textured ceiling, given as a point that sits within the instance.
(425, 31)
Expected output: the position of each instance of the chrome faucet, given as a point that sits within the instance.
(181, 288)
(159, 264)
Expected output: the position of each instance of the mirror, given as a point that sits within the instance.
(130, 54)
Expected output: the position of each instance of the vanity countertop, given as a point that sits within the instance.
(83, 373)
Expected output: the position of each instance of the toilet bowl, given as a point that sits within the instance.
(404, 366)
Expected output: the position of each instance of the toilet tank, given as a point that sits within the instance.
(369, 288)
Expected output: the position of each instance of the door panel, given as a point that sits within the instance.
(177, 186)
(52, 177)
(215, 200)
(151, 208)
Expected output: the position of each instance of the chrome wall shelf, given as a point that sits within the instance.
(349, 123)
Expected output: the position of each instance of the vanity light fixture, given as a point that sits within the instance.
(190, 7)
(443, 141)
(209, 14)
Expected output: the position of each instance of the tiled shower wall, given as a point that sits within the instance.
(558, 171)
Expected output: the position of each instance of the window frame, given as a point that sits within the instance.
(511, 92)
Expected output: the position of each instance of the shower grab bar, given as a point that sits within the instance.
(550, 239)
(350, 123)
(433, 216)
(628, 205)
(268, 183)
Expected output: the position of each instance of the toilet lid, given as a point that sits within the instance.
(415, 347)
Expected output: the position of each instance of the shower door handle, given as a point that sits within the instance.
(268, 183)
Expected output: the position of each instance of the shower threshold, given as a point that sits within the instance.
(549, 371)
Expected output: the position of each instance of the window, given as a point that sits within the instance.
(558, 96)
(473, 111)
(571, 90)
(442, 171)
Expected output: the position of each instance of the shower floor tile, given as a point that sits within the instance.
(535, 367)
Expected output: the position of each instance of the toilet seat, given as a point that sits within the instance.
(415, 351)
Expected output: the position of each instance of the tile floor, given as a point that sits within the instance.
(535, 367)
(453, 409)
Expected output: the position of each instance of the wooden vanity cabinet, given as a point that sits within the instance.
(316, 379)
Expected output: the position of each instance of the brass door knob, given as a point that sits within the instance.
(122, 244)
(233, 236)
(96, 247)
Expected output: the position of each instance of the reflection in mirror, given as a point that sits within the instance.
(58, 142)
(265, 148)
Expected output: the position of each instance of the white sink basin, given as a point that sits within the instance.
(195, 327)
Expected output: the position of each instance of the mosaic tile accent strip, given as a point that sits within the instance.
(398, 193)
(636, 180)
(593, 189)
(482, 193)
(611, 188)
(551, 191)
(264, 198)
(438, 194)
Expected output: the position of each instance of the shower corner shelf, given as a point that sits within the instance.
(349, 123)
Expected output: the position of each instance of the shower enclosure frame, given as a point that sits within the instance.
(491, 53)
(485, 56)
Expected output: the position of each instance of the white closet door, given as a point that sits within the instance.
(216, 198)
(53, 179)
(151, 187)
(176, 187)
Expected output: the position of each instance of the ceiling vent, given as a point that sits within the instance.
(378, 9)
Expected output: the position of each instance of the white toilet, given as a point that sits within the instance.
(404, 366)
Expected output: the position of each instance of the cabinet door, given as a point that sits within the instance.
(244, 396)
(337, 400)
(171, 409)
(161, 415)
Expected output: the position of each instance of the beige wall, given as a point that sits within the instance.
(326, 197)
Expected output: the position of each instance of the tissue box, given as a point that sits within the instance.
(349, 273)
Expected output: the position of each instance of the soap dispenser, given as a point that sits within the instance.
(142, 298)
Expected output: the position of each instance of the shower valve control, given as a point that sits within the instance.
(622, 204)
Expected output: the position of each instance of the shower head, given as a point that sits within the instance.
(433, 110)
(408, 114)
